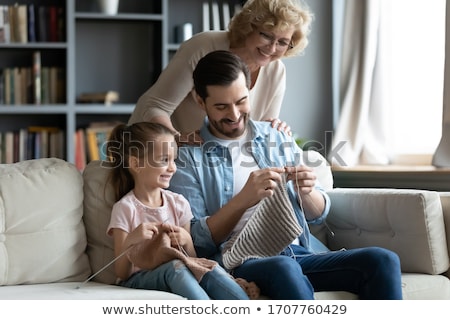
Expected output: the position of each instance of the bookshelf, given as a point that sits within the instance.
(94, 52)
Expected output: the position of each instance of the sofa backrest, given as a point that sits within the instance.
(445, 201)
(408, 222)
(42, 236)
(98, 203)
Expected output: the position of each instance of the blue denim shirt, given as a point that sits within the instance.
(205, 177)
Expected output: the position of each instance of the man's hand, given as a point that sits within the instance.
(311, 201)
(260, 184)
(303, 177)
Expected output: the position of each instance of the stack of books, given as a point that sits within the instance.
(217, 14)
(25, 23)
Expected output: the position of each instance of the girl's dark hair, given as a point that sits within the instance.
(218, 68)
(130, 140)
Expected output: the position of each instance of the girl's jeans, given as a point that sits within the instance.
(372, 273)
(175, 277)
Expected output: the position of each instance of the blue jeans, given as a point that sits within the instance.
(175, 277)
(373, 273)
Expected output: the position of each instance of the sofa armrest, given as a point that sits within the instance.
(408, 222)
(445, 201)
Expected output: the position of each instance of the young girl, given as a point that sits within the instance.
(143, 157)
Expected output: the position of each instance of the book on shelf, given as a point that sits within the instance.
(215, 15)
(18, 31)
(97, 136)
(45, 141)
(80, 149)
(225, 15)
(21, 82)
(36, 71)
(42, 25)
(2, 87)
(7, 85)
(52, 85)
(31, 27)
(105, 97)
(205, 16)
(9, 147)
(20, 12)
(33, 142)
(23, 23)
(3, 147)
(34, 84)
(5, 31)
(52, 23)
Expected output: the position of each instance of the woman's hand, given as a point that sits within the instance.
(280, 125)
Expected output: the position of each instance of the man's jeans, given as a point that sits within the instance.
(372, 273)
(175, 277)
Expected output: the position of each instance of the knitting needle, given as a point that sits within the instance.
(106, 266)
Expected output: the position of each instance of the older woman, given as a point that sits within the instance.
(260, 34)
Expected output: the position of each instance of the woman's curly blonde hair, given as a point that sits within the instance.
(272, 15)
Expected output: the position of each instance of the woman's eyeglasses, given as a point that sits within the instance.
(280, 45)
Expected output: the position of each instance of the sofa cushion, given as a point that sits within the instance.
(42, 236)
(445, 201)
(98, 202)
(408, 222)
(425, 287)
(88, 291)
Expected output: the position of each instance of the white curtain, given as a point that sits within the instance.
(360, 84)
(441, 157)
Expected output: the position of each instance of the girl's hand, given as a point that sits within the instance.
(144, 231)
(280, 125)
(178, 236)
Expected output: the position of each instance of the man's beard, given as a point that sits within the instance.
(233, 133)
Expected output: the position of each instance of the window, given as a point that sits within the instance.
(417, 49)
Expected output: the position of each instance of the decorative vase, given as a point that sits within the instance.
(109, 7)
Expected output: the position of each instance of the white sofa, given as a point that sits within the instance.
(53, 221)
(43, 248)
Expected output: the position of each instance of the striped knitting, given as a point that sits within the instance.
(269, 230)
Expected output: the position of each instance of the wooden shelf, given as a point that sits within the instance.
(124, 52)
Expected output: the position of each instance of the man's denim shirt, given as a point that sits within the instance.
(205, 177)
